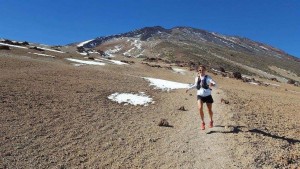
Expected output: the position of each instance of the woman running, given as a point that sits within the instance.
(203, 83)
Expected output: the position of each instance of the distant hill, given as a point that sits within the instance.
(195, 45)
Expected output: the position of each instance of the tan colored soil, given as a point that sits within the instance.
(56, 115)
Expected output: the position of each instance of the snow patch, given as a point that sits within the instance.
(113, 61)
(110, 52)
(127, 53)
(51, 50)
(41, 54)
(177, 70)
(253, 83)
(264, 47)
(15, 46)
(137, 44)
(85, 42)
(165, 84)
(83, 53)
(129, 98)
(85, 62)
(94, 52)
(272, 84)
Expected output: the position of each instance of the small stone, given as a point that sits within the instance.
(8, 154)
(164, 123)
(182, 108)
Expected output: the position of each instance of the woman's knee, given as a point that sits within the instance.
(200, 108)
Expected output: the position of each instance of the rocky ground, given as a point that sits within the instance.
(57, 115)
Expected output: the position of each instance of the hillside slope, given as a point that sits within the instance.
(187, 44)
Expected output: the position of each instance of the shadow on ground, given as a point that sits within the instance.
(238, 129)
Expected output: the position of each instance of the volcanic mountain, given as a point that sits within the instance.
(186, 44)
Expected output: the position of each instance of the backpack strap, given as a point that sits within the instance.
(201, 83)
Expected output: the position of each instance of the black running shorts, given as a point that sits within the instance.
(207, 99)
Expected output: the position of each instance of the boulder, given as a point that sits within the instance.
(237, 75)
(24, 43)
(291, 81)
(80, 49)
(222, 69)
(244, 79)
(91, 57)
(102, 53)
(36, 48)
(4, 47)
(129, 62)
(182, 108)
(274, 79)
(8, 42)
(224, 101)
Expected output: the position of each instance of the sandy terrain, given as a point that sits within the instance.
(56, 115)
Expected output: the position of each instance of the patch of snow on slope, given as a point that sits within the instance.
(253, 83)
(51, 50)
(127, 53)
(41, 54)
(83, 53)
(272, 84)
(177, 70)
(94, 52)
(113, 61)
(110, 52)
(137, 44)
(85, 62)
(15, 46)
(85, 42)
(139, 54)
(134, 99)
(165, 84)
(264, 47)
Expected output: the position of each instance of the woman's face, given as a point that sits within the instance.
(201, 71)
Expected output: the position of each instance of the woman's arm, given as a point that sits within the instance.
(211, 82)
(192, 86)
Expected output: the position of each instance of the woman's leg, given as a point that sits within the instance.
(209, 107)
(200, 106)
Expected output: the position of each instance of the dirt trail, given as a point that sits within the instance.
(196, 148)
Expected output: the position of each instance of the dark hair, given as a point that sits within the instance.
(202, 66)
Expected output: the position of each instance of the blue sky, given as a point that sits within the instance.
(59, 22)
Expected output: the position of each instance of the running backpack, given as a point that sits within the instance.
(203, 84)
